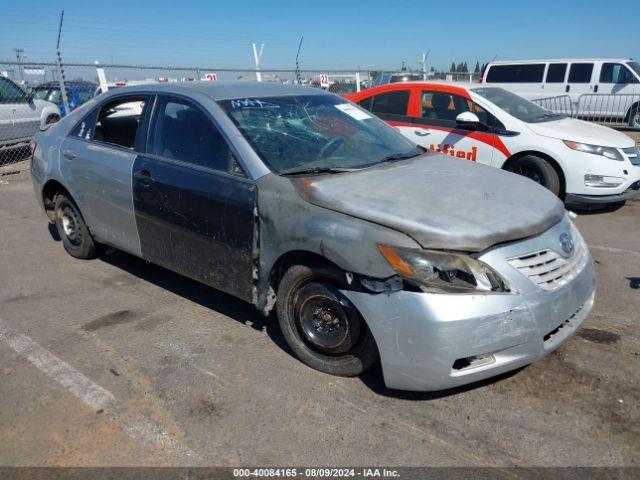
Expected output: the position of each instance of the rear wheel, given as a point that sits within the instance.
(322, 327)
(539, 170)
(72, 229)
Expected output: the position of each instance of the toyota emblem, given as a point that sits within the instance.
(566, 242)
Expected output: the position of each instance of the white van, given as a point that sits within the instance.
(596, 89)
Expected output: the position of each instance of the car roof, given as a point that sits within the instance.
(72, 83)
(565, 60)
(223, 89)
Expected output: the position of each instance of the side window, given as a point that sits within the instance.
(393, 103)
(182, 131)
(366, 103)
(615, 73)
(525, 73)
(580, 72)
(10, 92)
(117, 122)
(556, 72)
(443, 106)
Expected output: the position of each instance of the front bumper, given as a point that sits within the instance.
(439, 341)
(572, 199)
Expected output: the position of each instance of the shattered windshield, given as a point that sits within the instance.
(315, 133)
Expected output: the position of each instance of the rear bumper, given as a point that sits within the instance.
(430, 341)
(582, 200)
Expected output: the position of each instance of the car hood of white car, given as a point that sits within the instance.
(582, 132)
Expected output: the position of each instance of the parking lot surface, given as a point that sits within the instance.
(118, 362)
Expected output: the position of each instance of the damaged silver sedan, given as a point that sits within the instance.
(291, 198)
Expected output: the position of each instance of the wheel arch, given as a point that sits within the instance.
(49, 191)
(298, 257)
(634, 106)
(554, 163)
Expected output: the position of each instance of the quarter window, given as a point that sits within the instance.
(580, 72)
(525, 73)
(184, 132)
(615, 73)
(556, 72)
(392, 103)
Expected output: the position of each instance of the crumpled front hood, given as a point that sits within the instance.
(440, 202)
(582, 132)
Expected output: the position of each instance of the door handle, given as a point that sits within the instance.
(70, 154)
(595, 89)
(568, 87)
(144, 178)
(421, 133)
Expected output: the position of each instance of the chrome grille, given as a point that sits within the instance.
(633, 153)
(550, 270)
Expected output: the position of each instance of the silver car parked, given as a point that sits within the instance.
(21, 116)
(292, 198)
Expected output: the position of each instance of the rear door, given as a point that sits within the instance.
(97, 158)
(195, 208)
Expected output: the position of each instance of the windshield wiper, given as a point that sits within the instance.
(400, 156)
(312, 170)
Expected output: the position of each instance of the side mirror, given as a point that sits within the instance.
(470, 120)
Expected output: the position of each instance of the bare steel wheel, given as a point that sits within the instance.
(327, 325)
(322, 327)
(73, 231)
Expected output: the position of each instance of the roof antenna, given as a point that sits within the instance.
(298, 78)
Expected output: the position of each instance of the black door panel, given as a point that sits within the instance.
(197, 222)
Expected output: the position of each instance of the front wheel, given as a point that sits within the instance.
(322, 327)
(539, 170)
(75, 235)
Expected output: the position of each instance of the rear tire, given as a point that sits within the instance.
(634, 116)
(539, 170)
(322, 327)
(72, 229)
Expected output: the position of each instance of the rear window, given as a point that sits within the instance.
(580, 72)
(556, 72)
(526, 73)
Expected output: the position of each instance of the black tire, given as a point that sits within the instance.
(633, 117)
(53, 118)
(343, 344)
(539, 170)
(72, 229)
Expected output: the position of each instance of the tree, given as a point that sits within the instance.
(453, 67)
(477, 69)
(465, 68)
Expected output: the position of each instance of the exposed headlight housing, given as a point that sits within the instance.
(608, 152)
(443, 271)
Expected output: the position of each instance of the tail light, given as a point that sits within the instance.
(33, 146)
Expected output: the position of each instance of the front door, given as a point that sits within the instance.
(195, 209)
(437, 130)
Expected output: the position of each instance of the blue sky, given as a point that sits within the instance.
(337, 34)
